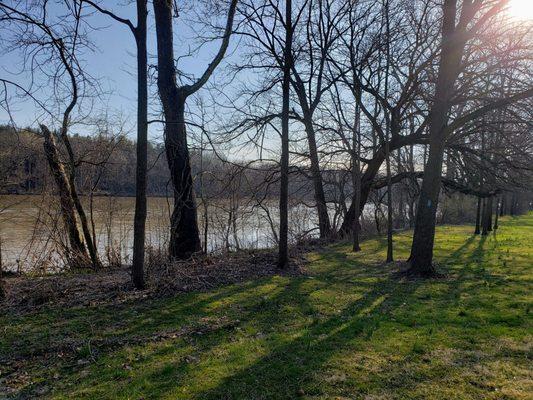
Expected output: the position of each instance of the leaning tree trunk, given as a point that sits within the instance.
(367, 179)
(77, 252)
(320, 198)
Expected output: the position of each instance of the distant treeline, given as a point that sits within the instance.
(106, 166)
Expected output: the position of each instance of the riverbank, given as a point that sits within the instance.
(349, 327)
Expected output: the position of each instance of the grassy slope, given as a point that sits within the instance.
(348, 330)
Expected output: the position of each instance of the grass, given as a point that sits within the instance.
(349, 329)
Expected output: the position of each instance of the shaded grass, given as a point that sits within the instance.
(349, 329)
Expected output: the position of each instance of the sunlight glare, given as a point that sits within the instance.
(522, 9)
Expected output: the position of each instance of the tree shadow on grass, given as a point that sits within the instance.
(292, 364)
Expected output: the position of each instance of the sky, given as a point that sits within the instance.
(113, 63)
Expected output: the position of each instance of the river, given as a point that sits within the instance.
(32, 236)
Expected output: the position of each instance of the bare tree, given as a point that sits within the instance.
(458, 27)
(184, 233)
(284, 171)
(38, 34)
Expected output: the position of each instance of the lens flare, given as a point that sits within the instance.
(522, 9)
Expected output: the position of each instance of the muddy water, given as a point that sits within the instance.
(32, 236)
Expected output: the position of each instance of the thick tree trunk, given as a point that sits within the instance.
(283, 257)
(478, 217)
(184, 233)
(77, 253)
(449, 65)
(487, 217)
(320, 198)
(484, 230)
(139, 220)
(367, 179)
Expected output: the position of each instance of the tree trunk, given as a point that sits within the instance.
(484, 219)
(390, 257)
(71, 177)
(357, 179)
(283, 258)
(77, 253)
(184, 233)
(139, 221)
(320, 198)
(512, 208)
(2, 289)
(489, 213)
(449, 66)
(498, 206)
(478, 215)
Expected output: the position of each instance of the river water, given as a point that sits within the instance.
(31, 229)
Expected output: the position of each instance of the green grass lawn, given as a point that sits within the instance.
(349, 329)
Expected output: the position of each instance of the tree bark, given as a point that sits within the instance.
(498, 206)
(449, 66)
(77, 252)
(320, 198)
(184, 233)
(2, 289)
(283, 258)
(390, 257)
(357, 179)
(478, 216)
(139, 221)
(487, 217)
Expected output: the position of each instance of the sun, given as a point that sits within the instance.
(522, 9)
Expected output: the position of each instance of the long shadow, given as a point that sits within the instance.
(292, 364)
